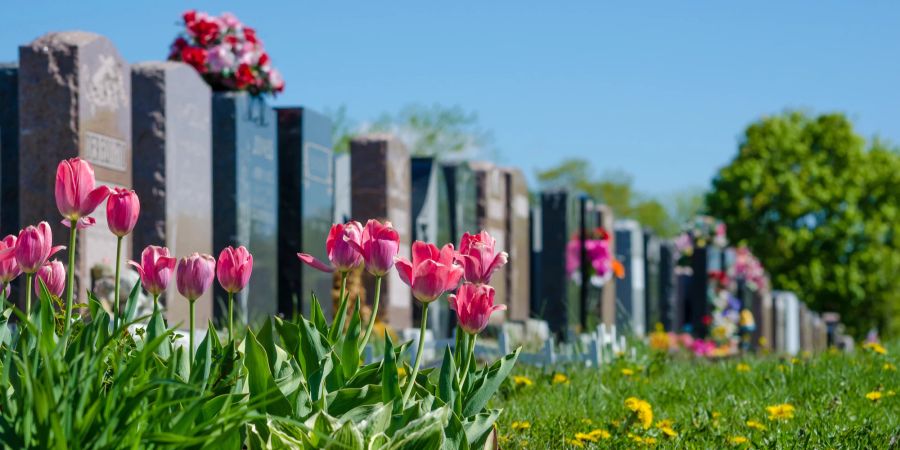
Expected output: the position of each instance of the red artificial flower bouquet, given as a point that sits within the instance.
(226, 53)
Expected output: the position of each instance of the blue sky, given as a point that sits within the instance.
(661, 90)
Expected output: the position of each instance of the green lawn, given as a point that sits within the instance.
(708, 404)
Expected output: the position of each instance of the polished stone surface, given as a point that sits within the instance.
(305, 207)
(172, 145)
(245, 196)
(74, 100)
(9, 149)
(490, 215)
(518, 233)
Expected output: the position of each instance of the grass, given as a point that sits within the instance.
(707, 403)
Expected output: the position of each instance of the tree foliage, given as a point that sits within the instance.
(821, 213)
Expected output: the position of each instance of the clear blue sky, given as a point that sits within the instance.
(661, 90)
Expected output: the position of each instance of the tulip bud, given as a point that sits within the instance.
(76, 197)
(474, 304)
(234, 268)
(340, 247)
(194, 275)
(53, 274)
(9, 268)
(431, 271)
(34, 246)
(379, 246)
(476, 254)
(122, 209)
(155, 269)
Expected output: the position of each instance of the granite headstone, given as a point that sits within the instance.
(306, 206)
(245, 196)
(630, 289)
(341, 188)
(519, 248)
(490, 214)
(74, 100)
(9, 149)
(607, 311)
(380, 185)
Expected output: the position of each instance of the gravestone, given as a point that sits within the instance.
(788, 307)
(245, 197)
(667, 285)
(9, 149)
(490, 213)
(652, 294)
(607, 311)
(552, 301)
(341, 188)
(631, 311)
(172, 169)
(430, 223)
(588, 293)
(74, 100)
(462, 198)
(380, 185)
(535, 272)
(518, 237)
(305, 207)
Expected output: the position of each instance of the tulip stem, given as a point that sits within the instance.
(372, 316)
(337, 323)
(421, 349)
(470, 356)
(3, 293)
(70, 282)
(155, 304)
(116, 286)
(28, 278)
(191, 341)
(231, 316)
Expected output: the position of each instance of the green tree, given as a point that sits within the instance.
(821, 213)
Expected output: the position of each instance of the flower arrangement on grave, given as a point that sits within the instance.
(726, 313)
(698, 233)
(602, 265)
(749, 269)
(226, 53)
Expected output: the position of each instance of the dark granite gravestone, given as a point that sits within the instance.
(430, 223)
(172, 159)
(607, 307)
(667, 285)
(697, 306)
(74, 100)
(245, 196)
(652, 294)
(462, 198)
(9, 149)
(490, 214)
(519, 248)
(588, 298)
(305, 207)
(557, 300)
(631, 312)
(380, 185)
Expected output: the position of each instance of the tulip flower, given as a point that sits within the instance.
(53, 274)
(31, 250)
(155, 270)
(341, 252)
(122, 209)
(476, 254)
(9, 268)
(76, 196)
(233, 271)
(431, 271)
(379, 246)
(474, 304)
(194, 275)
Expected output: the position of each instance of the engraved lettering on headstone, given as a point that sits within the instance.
(318, 156)
(105, 151)
(106, 88)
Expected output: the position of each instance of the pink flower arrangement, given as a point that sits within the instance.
(226, 53)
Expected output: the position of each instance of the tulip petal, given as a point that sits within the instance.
(7, 253)
(314, 263)
(404, 269)
(94, 199)
(137, 267)
(55, 250)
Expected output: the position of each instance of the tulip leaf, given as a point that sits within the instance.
(390, 380)
(203, 361)
(317, 389)
(312, 348)
(447, 381)
(347, 437)
(479, 427)
(290, 335)
(259, 378)
(455, 437)
(350, 345)
(344, 400)
(267, 339)
(155, 328)
(318, 316)
(47, 321)
(132, 303)
(488, 383)
(426, 431)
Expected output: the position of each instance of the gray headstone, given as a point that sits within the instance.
(431, 223)
(518, 235)
(630, 290)
(74, 100)
(606, 220)
(462, 198)
(380, 185)
(306, 206)
(342, 201)
(9, 149)
(172, 145)
(490, 186)
(245, 196)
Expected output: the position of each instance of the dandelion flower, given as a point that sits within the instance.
(523, 425)
(576, 443)
(891, 393)
(642, 409)
(889, 367)
(738, 440)
(874, 396)
(875, 347)
(520, 380)
(600, 433)
(627, 372)
(559, 378)
(743, 367)
(784, 411)
(756, 425)
(586, 437)
(668, 431)
(716, 414)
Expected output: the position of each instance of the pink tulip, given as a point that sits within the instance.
(195, 275)
(76, 197)
(122, 209)
(474, 304)
(379, 246)
(32, 248)
(476, 254)
(339, 245)
(234, 268)
(53, 274)
(9, 268)
(155, 269)
(431, 271)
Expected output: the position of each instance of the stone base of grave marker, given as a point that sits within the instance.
(172, 142)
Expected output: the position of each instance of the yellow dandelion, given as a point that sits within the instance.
(889, 367)
(649, 440)
(586, 437)
(875, 347)
(587, 421)
(559, 378)
(784, 411)
(874, 396)
(627, 372)
(668, 431)
(716, 414)
(600, 433)
(642, 409)
(806, 354)
(659, 340)
(662, 423)
(781, 367)
(519, 426)
(743, 367)
(738, 440)
(756, 425)
(520, 380)
(576, 443)
(795, 360)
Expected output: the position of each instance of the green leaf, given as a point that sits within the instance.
(424, 432)
(454, 435)
(317, 316)
(447, 381)
(350, 345)
(390, 380)
(347, 437)
(203, 361)
(259, 378)
(488, 383)
(479, 427)
(312, 347)
(132, 303)
(346, 399)
(155, 328)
